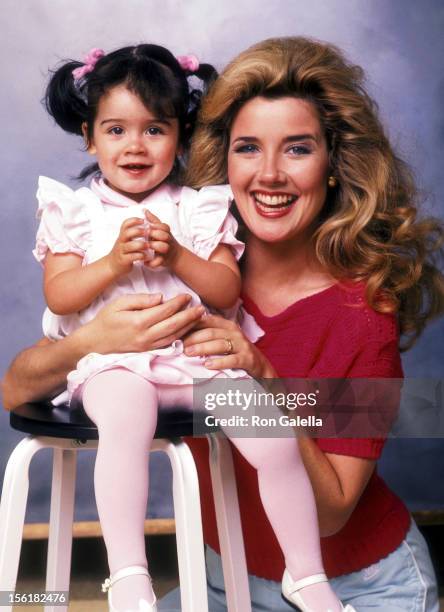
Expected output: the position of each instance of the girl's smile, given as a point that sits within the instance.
(135, 149)
(278, 166)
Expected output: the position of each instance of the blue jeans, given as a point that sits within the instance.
(402, 582)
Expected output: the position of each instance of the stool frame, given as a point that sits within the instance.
(190, 547)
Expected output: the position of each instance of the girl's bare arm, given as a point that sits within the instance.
(70, 287)
(216, 280)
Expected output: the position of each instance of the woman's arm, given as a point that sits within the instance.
(217, 281)
(40, 371)
(338, 482)
(129, 324)
(70, 287)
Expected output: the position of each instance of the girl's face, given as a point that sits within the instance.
(278, 167)
(135, 150)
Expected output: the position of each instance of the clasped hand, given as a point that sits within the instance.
(135, 240)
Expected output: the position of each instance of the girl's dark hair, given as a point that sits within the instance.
(150, 71)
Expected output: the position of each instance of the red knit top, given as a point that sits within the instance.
(332, 334)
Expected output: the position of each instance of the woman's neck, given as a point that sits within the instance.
(277, 275)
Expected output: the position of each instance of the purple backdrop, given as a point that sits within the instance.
(399, 43)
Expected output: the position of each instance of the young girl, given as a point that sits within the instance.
(136, 231)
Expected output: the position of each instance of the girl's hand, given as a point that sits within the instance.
(166, 248)
(227, 347)
(129, 247)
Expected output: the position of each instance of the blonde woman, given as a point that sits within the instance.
(337, 267)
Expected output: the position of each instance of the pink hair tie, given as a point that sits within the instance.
(188, 62)
(91, 60)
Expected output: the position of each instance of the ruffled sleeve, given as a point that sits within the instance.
(209, 221)
(64, 221)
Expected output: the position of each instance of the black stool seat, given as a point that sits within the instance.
(44, 419)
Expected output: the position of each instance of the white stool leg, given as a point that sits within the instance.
(229, 526)
(58, 567)
(13, 509)
(190, 546)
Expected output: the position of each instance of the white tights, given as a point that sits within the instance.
(124, 408)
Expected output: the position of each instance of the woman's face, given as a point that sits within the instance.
(278, 167)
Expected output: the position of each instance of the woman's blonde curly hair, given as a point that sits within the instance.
(370, 228)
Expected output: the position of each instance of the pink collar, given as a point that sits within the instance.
(109, 196)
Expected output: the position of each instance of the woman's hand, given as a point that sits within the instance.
(129, 247)
(160, 239)
(140, 322)
(131, 323)
(227, 347)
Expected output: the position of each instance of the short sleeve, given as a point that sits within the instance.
(64, 222)
(373, 344)
(209, 221)
(364, 448)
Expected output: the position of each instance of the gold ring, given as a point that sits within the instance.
(229, 346)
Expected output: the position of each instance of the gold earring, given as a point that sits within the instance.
(332, 181)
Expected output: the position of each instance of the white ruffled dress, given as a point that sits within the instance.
(87, 222)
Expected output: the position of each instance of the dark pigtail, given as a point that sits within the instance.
(207, 74)
(149, 71)
(64, 101)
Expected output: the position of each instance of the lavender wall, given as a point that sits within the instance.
(399, 43)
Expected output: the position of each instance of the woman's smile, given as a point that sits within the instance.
(278, 167)
(273, 204)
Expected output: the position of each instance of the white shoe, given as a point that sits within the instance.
(132, 570)
(291, 587)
